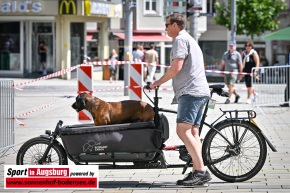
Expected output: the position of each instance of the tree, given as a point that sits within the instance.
(253, 17)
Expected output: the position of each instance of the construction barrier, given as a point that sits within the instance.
(7, 135)
(271, 85)
(85, 84)
(136, 81)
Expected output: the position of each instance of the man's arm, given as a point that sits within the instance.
(222, 66)
(175, 68)
(157, 59)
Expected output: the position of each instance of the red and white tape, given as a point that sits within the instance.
(64, 71)
(35, 110)
(55, 74)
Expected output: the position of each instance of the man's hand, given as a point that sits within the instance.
(155, 84)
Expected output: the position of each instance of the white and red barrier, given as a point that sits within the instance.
(85, 84)
(136, 81)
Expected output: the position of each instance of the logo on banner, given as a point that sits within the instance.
(67, 7)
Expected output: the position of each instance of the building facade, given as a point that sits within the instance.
(61, 24)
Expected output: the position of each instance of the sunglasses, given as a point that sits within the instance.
(247, 45)
(167, 24)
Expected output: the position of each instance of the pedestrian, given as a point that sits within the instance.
(250, 60)
(42, 51)
(145, 66)
(191, 91)
(232, 62)
(112, 67)
(138, 54)
(287, 76)
(152, 60)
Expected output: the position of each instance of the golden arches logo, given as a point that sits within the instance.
(87, 7)
(67, 7)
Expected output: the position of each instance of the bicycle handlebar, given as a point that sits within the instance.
(147, 86)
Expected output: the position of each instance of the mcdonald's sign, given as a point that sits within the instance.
(67, 7)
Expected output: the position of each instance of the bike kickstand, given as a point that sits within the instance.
(186, 165)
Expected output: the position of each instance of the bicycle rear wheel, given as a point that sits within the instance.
(239, 162)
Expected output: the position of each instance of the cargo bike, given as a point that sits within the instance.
(234, 149)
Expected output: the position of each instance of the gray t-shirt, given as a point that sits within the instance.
(191, 79)
(232, 61)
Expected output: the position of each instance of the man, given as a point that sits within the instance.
(138, 54)
(191, 91)
(232, 62)
(152, 60)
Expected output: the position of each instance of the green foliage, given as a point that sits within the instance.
(253, 17)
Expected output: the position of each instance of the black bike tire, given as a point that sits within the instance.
(237, 178)
(38, 140)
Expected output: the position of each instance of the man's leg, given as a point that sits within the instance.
(190, 137)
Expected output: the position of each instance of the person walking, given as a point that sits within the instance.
(138, 54)
(250, 60)
(152, 60)
(191, 90)
(42, 51)
(112, 67)
(232, 62)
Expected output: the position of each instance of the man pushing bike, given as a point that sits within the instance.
(191, 93)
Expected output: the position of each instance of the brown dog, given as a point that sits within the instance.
(106, 113)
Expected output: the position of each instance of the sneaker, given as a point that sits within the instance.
(186, 178)
(248, 101)
(284, 105)
(197, 178)
(255, 97)
(228, 101)
(237, 98)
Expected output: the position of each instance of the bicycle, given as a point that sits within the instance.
(234, 149)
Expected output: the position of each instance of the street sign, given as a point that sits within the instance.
(175, 9)
(207, 14)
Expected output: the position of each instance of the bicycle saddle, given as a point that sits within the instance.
(217, 85)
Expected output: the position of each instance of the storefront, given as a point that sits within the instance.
(162, 44)
(61, 24)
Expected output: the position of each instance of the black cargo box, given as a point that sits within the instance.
(140, 137)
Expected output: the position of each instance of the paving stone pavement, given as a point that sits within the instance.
(275, 123)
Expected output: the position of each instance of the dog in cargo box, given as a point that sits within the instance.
(106, 113)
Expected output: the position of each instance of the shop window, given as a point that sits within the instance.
(9, 45)
(210, 6)
(152, 7)
(212, 53)
(77, 43)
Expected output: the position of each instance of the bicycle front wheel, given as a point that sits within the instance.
(32, 151)
(237, 162)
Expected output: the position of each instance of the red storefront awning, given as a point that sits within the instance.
(89, 37)
(146, 37)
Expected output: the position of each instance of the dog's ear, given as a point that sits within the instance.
(83, 102)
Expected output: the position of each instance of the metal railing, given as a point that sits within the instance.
(7, 135)
(271, 85)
